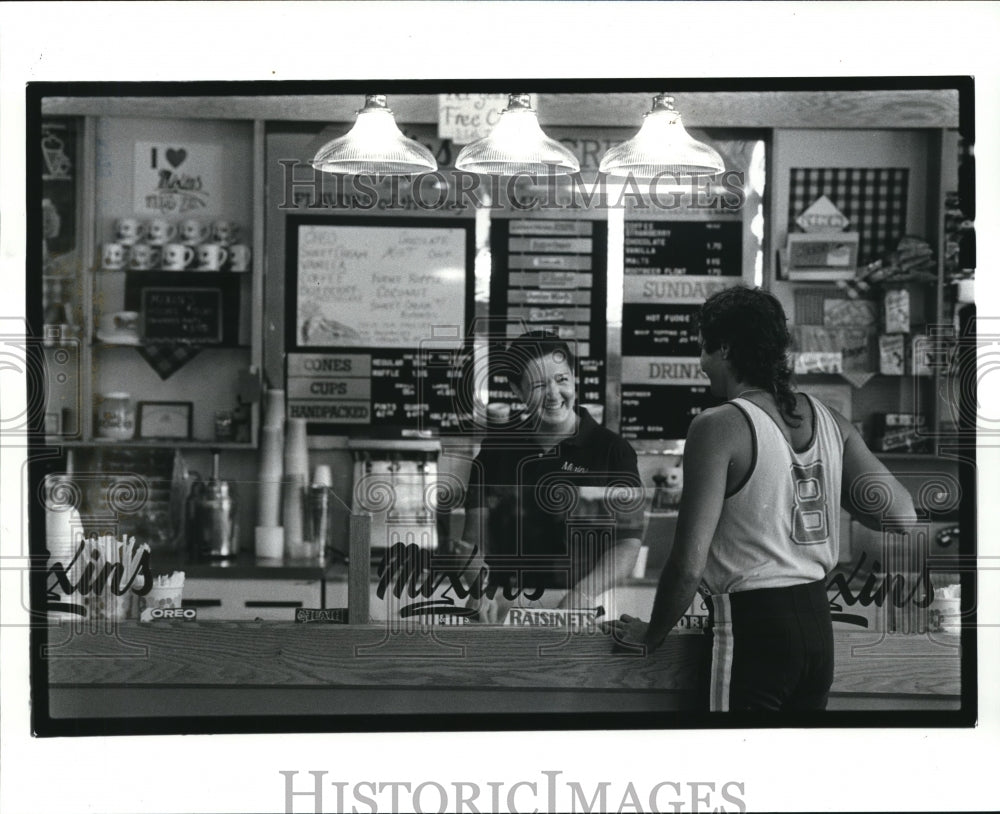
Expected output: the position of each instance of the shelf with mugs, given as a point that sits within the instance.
(138, 342)
(148, 443)
(160, 245)
(165, 300)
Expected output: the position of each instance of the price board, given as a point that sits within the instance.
(671, 268)
(185, 308)
(376, 324)
(552, 275)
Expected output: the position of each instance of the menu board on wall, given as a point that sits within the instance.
(671, 267)
(185, 307)
(376, 320)
(552, 274)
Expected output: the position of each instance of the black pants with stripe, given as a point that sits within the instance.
(772, 649)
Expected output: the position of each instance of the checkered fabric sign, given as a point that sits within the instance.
(873, 199)
(167, 358)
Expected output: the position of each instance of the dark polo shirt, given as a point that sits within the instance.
(540, 531)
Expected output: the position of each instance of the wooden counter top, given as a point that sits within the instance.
(239, 669)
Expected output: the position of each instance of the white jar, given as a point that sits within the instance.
(115, 417)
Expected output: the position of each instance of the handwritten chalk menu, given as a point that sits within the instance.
(375, 329)
(198, 308)
(552, 274)
(382, 286)
(671, 268)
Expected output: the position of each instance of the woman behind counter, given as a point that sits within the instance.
(765, 476)
(531, 479)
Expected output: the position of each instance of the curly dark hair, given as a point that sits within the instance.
(753, 323)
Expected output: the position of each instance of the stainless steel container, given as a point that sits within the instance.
(212, 527)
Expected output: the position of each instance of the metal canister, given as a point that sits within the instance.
(212, 525)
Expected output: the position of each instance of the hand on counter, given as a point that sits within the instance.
(629, 633)
(490, 611)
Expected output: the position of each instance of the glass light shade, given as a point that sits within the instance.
(662, 145)
(373, 146)
(517, 144)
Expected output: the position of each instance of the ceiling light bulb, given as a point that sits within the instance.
(374, 146)
(517, 144)
(662, 147)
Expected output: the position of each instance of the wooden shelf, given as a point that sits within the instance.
(248, 272)
(99, 344)
(149, 443)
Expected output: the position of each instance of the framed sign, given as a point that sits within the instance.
(376, 322)
(818, 256)
(164, 419)
(194, 308)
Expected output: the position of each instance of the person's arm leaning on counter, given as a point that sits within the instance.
(706, 461)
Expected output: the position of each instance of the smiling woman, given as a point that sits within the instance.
(526, 489)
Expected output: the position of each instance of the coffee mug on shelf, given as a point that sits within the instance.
(115, 416)
(177, 256)
(160, 231)
(114, 256)
(239, 257)
(224, 231)
(193, 231)
(144, 257)
(210, 256)
(129, 230)
(119, 327)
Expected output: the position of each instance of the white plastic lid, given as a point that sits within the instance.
(322, 476)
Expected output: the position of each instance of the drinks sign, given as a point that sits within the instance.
(171, 179)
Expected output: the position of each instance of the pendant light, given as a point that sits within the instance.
(374, 145)
(662, 146)
(517, 144)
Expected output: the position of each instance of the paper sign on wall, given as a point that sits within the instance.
(465, 117)
(177, 178)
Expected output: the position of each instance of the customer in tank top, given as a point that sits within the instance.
(765, 476)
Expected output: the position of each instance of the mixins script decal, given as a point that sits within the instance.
(173, 179)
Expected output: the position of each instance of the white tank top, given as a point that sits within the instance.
(782, 526)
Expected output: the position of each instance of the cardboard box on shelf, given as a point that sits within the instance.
(896, 305)
(892, 354)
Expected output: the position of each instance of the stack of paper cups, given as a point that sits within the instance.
(269, 542)
(272, 443)
(296, 478)
(274, 408)
(296, 448)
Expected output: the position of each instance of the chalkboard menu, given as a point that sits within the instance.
(180, 307)
(376, 321)
(671, 267)
(552, 274)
